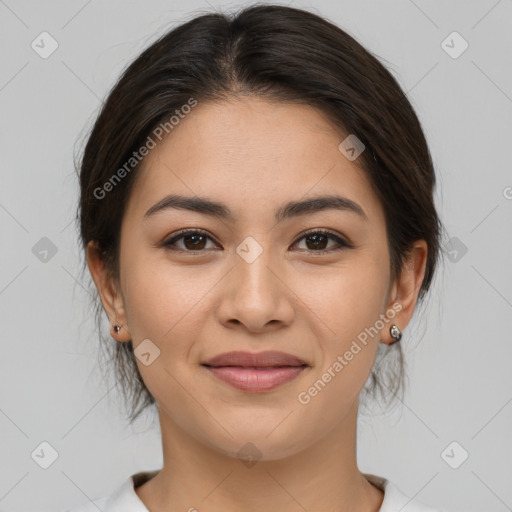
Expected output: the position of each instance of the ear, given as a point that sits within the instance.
(109, 291)
(406, 288)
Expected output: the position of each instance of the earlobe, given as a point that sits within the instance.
(119, 332)
(110, 296)
(392, 333)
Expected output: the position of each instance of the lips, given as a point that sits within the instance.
(267, 359)
(255, 372)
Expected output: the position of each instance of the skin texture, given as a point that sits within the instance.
(255, 155)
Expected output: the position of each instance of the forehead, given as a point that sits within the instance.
(252, 154)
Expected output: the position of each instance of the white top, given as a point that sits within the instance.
(125, 499)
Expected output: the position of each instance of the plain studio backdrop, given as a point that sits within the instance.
(449, 443)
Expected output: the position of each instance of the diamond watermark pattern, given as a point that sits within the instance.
(44, 455)
(249, 454)
(454, 455)
(454, 45)
(249, 249)
(146, 352)
(351, 147)
(44, 250)
(44, 45)
(456, 249)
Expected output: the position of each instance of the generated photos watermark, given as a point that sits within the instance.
(304, 397)
(157, 134)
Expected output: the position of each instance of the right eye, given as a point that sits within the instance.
(193, 241)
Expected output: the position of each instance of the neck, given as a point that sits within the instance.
(324, 476)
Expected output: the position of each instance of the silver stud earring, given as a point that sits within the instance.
(396, 333)
(117, 328)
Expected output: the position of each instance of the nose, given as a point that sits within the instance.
(256, 295)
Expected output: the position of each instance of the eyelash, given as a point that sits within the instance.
(343, 244)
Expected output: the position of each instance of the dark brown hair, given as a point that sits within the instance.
(283, 54)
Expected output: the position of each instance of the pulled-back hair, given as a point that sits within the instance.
(282, 54)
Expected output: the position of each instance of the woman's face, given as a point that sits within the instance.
(253, 281)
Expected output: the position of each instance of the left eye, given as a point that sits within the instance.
(195, 240)
(319, 239)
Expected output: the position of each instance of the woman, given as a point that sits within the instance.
(258, 218)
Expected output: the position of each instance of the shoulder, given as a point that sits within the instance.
(123, 499)
(92, 506)
(395, 500)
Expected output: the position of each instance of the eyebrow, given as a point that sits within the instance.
(219, 210)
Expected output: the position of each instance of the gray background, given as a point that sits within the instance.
(458, 350)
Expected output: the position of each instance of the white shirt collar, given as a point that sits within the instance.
(125, 499)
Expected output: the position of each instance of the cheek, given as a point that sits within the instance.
(160, 307)
(169, 305)
(354, 294)
(352, 303)
(158, 296)
(348, 346)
